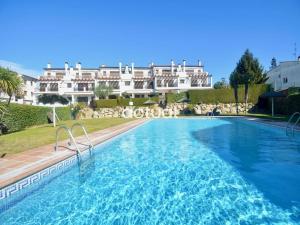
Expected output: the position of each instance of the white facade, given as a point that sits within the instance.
(28, 87)
(285, 75)
(77, 84)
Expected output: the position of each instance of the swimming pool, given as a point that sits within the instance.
(176, 171)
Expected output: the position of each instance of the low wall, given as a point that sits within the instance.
(170, 109)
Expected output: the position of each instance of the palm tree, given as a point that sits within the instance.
(10, 83)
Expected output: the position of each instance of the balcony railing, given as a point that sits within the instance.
(43, 89)
(83, 89)
(200, 85)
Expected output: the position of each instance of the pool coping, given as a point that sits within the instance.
(279, 124)
(24, 165)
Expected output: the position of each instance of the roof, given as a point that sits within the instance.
(284, 64)
(26, 77)
(176, 65)
(117, 67)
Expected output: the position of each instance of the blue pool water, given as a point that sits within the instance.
(176, 171)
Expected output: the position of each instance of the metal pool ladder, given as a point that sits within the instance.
(290, 126)
(71, 137)
(90, 145)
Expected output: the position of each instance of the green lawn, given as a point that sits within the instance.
(42, 135)
(269, 117)
(261, 116)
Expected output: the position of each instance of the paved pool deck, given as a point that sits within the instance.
(17, 166)
(20, 165)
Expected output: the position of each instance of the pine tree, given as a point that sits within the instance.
(248, 71)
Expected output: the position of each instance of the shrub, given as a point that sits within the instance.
(19, 116)
(76, 108)
(286, 106)
(226, 95)
(294, 91)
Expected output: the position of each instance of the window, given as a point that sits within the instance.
(182, 81)
(69, 85)
(104, 73)
(86, 75)
(127, 83)
(43, 86)
(285, 80)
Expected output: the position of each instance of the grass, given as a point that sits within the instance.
(269, 117)
(256, 115)
(42, 135)
(261, 116)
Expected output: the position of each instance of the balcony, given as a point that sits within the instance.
(195, 85)
(83, 89)
(44, 89)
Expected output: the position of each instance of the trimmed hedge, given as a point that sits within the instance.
(20, 116)
(111, 103)
(286, 106)
(226, 95)
(63, 113)
(174, 97)
(105, 103)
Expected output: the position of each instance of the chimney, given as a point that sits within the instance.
(120, 67)
(66, 65)
(48, 65)
(132, 68)
(172, 66)
(184, 62)
(78, 66)
(199, 63)
(126, 69)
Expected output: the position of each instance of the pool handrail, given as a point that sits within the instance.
(72, 139)
(295, 124)
(288, 125)
(90, 145)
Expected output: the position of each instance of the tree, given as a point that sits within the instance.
(51, 99)
(103, 91)
(221, 84)
(248, 71)
(10, 83)
(273, 63)
(234, 81)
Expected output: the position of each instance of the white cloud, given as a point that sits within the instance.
(19, 68)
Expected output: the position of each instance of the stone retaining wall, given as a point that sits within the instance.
(171, 109)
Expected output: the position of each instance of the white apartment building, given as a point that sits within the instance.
(285, 75)
(77, 83)
(28, 86)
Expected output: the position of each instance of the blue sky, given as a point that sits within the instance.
(106, 32)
